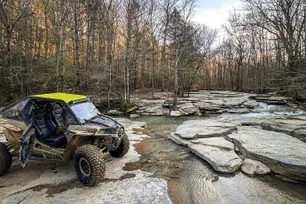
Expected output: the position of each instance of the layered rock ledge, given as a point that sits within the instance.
(283, 154)
(205, 139)
(264, 146)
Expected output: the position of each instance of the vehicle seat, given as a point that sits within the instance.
(58, 114)
(46, 130)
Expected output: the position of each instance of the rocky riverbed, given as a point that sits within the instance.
(266, 138)
(227, 142)
(204, 103)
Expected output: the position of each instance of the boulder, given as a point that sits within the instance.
(238, 110)
(283, 154)
(154, 111)
(134, 115)
(218, 155)
(251, 104)
(204, 107)
(168, 103)
(175, 113)
(300, 134)
(252, 167)
(204, 128)
(133, 109)
(234, 102)
(114, 113)
(188, 109)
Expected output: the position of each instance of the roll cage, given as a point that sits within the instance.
(22, 109)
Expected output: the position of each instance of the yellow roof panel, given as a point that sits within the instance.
(61, 96)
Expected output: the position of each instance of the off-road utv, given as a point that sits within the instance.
(61, 126)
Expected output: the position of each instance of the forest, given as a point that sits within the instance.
(113, 47)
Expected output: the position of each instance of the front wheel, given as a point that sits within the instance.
(123, 148)
(5, 159)
(89, 165)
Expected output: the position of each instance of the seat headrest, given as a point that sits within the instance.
(57, 109)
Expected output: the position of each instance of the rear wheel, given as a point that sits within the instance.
(89, 165)
(5, 159)
(123, 148)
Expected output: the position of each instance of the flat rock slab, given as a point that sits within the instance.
(221, 159)
(282, 153)
(275, 100)
(204, 128)
(279, 127)
(178, 140)
(293, 127)
(218, 142)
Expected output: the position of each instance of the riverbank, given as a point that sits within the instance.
(192, 180)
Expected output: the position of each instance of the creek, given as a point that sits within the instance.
(192, 180)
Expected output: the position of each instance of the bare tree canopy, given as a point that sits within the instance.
(114, 47)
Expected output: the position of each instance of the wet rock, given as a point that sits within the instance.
(251, 123)
(204, 128)
(168, 103)
(251, 104)
(188, 109)
(301, 117)
(218, 155)
(252, 167)
(191, 99)
(294, 127)
(219, 102)
(218, 142)
(300, 134)
(282, 153)
(278, 127)
(178, 140)
(272, 100)
(132, 109)
(207, 106)
(226, 94)
(114, 113)
(154, 111)
(238, 110)
(134, 115)
(175, 113)
(231, 103)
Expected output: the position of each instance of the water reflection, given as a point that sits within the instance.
(192, 180)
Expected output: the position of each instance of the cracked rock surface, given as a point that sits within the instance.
(56, 182)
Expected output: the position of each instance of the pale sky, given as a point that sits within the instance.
(214, 13)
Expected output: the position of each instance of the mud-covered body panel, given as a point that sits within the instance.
(12, 131)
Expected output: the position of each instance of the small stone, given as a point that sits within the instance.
(252, 167)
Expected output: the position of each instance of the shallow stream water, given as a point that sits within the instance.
(192, 180)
